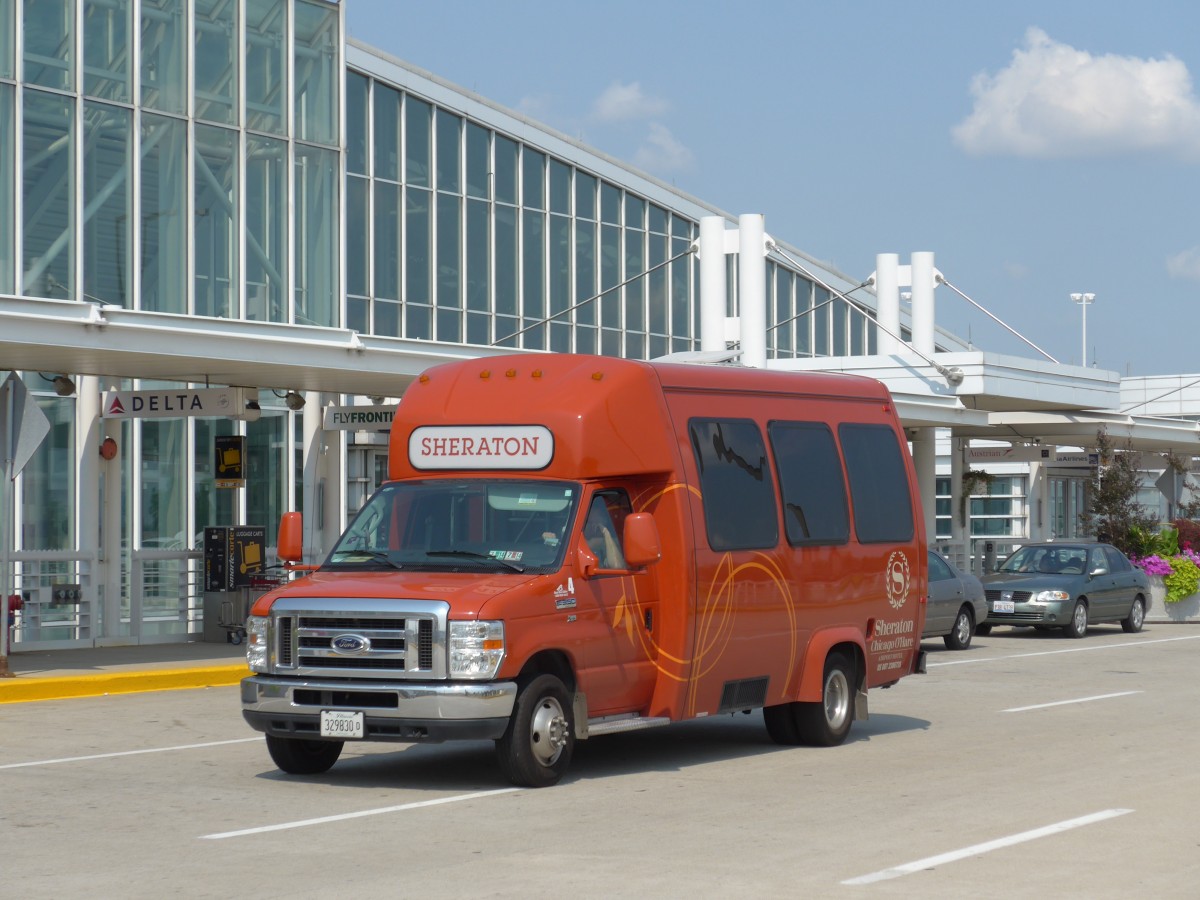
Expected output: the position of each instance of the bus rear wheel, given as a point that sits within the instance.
(827, 722)
(298, 756)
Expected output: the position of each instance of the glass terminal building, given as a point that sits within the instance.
(182, 177)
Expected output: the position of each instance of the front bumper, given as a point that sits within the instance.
(392, 711)
(1055, 615)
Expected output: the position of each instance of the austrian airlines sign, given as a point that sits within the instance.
(171, 404)
(527, 447)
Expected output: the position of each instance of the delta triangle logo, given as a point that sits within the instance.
(116, 408)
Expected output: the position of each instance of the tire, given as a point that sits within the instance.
(298, 756)
(1077, 627)
(827, 722)
(536, 748)
(781, 723)
(983, 630)
(959, 637)
(1133, 622)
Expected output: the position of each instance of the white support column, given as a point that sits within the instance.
(333, 488)
(112, 473)
(314, 445)
(887, 298)
(713, 299)
(960, 523)
(924, 451)
(88, 502)
(752, 289)
(922, 302)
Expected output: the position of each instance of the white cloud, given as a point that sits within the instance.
(1185, 264)
(661, 152)
(620, 102)
(1055, 101)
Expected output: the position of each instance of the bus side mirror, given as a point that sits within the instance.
(642, 546)
(291, 537)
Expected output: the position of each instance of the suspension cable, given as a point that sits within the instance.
(615, 287)
(941, 280)
(1160, 396)
(952, 374)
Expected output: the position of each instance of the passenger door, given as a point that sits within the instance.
(617, 607)
(1104, 596)
(1125, 578)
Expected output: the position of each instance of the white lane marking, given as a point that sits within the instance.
(977, 659)
(1068, 702)
(71, 759)
(986, 847)
(303, 823)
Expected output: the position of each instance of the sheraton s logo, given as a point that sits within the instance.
(350, 644)
(897, 579)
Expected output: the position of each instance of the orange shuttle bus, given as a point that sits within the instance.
(569, 546)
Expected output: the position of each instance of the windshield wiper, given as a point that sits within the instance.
(482, 557)
(373, 555)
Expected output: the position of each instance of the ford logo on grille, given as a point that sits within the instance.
(350, 644)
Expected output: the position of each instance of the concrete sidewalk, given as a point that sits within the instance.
(95, 671)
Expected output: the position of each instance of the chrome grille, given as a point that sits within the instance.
(1018, 596)
(397, 638)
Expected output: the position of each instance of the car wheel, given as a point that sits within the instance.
(827, 722)
(298, 756)
(1137, 616)
(983, 630)
(1079, 621)
(959, 637)
(537, 745)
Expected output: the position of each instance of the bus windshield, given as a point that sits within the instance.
(455, 524)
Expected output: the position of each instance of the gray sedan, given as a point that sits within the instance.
(1067, 586)
(956, 603)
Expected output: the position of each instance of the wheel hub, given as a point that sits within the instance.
(548, 734)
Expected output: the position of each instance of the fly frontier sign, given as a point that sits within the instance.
(172, 404)
(358, 418)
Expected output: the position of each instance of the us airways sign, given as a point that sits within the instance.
(172, 404)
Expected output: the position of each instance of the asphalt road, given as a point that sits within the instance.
(1028, 766)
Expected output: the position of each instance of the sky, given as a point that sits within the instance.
(1037, 149)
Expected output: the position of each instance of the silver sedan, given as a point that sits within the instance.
(956, 603)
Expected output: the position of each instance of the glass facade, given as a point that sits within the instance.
(999, 512)
(189, 157)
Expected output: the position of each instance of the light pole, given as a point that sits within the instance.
(1083, 300)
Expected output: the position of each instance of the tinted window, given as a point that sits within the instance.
(811, 481)
(938, 570)
(878, 483)
(735, 483)
(1116, 559)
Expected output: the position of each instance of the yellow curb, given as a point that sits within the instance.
(24, 690)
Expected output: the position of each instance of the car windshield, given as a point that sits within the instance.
(1047, 560)
(456, 524)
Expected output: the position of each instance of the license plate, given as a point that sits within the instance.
(1004, 606)
(342, 723)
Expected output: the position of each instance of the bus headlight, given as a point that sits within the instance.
(476, 649)
(256, 643)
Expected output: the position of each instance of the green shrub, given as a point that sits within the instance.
(1184, 579)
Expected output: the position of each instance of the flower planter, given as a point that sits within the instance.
(1185, 610)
